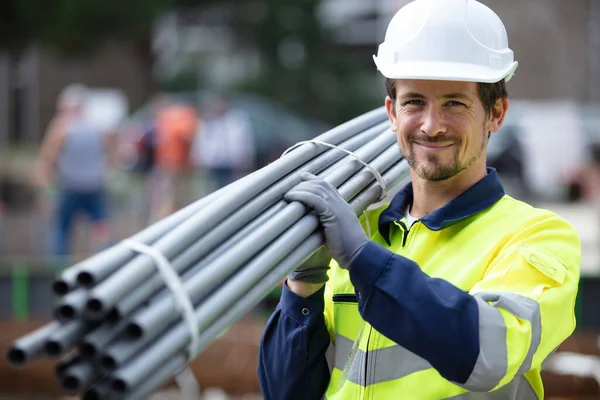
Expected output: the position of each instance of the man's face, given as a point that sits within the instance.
(441, 126)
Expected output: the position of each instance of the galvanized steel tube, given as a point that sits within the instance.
(31, 345)
(114, 288)
(149, 320)
(231, 225)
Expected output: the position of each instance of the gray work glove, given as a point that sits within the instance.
(314, 268)
(344, 236)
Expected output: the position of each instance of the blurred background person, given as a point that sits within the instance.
(146, 144)
(74, 158)
(225, 146)
(145, 149)
(175, 130)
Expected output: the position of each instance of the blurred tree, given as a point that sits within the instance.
(303, 67)
(76, 25)
(72, 26)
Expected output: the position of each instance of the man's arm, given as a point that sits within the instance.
(509, 322)
(292, 363)
(111, 144)
(49, 152)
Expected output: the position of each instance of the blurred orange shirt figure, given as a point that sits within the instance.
(176, 127)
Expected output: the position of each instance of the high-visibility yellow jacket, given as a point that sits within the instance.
(467, 303)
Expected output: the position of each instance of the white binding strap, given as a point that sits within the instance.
(376, 173)
(172, 281)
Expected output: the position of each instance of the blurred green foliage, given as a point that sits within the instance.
(73, 26)
(301, 66)
(325, 80)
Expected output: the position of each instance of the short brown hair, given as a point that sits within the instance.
(488, 93)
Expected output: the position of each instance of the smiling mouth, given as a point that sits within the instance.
(434, 146)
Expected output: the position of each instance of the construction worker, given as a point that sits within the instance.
(75, 156)
(462, 292)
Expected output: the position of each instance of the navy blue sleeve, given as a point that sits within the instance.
(292, 363)
(428, 316)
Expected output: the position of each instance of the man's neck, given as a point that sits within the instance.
(428, 196)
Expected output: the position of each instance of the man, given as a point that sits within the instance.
(74, 153)
(176, 125)
(225, 147)
(463, 292)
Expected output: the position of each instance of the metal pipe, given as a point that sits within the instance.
(79, 376)
(228, 293)
(122, 350)
(242, 217)
(231, 225)
(65, 338)
(150, 320)
(149, 288)
(66, 282)
(93, 343)
(70, 305)
(31, 345)
(196, 250)
(65, 363)
(96, 268)
(158, 378)
(100, 391)
(394, 176)
(174, 341)
(226, 245)
(114, 288)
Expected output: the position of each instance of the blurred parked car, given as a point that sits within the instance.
(542, 148)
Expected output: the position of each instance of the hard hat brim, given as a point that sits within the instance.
(445, 71)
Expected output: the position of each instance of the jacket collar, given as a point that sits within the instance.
(478, 197)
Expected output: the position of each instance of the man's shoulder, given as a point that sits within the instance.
(521, 212)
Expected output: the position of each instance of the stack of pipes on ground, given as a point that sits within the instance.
(121, 331)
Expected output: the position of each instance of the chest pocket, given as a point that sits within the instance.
(347, 319)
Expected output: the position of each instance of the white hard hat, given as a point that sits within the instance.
(457, 40)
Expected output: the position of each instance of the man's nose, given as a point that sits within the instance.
(433, 123)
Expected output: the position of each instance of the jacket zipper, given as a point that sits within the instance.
(405, 231)
(404, 228)
(366, 370)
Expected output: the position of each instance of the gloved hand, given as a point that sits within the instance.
(314, 268)
(344, 236)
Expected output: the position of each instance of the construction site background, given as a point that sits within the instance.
(281, 71)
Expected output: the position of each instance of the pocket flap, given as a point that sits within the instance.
(545, 263)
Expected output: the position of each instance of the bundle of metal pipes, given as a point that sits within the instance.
(121, 332)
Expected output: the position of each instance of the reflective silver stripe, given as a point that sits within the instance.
(343, 346)
(396, 362)
(392, 363)
(492, 362)
(385, 364)
(517, 389)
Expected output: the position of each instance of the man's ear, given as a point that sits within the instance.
(390, 107)
(497, 114)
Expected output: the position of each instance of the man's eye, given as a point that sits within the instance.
(455, 104)
(414, 103)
